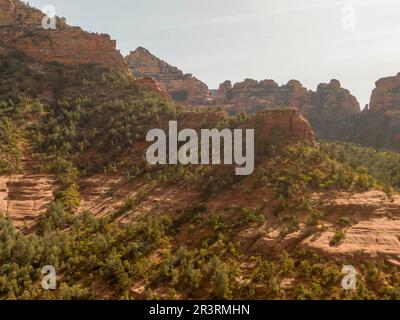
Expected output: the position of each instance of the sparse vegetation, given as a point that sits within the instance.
(200, 251)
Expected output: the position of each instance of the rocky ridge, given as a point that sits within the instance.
(183, 88)
(21, 29)
(251, 96)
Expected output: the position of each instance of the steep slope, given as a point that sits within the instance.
(183, 88)
(77, 193)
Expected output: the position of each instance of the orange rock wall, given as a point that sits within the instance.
(21, 28)
(183, 88)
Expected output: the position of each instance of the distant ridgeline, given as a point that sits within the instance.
(332, 110)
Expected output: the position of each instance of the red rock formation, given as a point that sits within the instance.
(375, 225)
(24, 197)
(326, 109)
(373, 233)
(287, 122)
(252, 96)
(183, 88)
(331, 96)
(386, 95)
(149, 84)
(21, 29)
(330, 110)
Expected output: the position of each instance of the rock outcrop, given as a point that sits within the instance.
(386, 95)
(327, 108)
(378, 125)
(374, 230)
(252, 96)
(286, 123)
(333, 98)
(183, 88)
(149, 84)
(24, 197)
(331, 111)
(21, 29)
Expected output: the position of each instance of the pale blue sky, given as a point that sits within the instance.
(236, 39)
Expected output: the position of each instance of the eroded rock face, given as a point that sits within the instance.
(285, 123)
(150, 84)
(374, 229)
(330, 110)
(24, 197)
(386, 95)
(372, 232)
(327, 108)
(21, 29)
(334, 98)
(252, 96)
(183, 88)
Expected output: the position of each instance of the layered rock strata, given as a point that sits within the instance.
(183, 88)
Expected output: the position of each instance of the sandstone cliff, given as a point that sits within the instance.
(150, 84)
(386, 95)
(327, 109)
(330, 111)
(24, 197)
(379, 124)
(284, 123)
(333, 97)
(252, 96)
(183, 88)
(21, 29)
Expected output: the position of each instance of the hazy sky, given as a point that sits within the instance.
(309, 40)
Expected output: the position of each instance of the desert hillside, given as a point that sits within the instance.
(77, 193)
